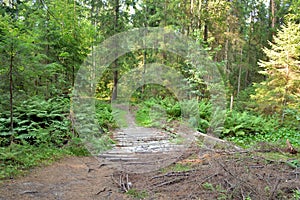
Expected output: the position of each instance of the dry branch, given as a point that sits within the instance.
(177, 180)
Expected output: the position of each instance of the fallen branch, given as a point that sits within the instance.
(168, 182)
(103, 190)
(217, 140)
(124, 185)
(170, 174)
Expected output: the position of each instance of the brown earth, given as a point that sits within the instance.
(207, 174)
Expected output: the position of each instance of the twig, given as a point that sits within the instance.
(127, 183)
(256, 166)
(168, 182)
(169, 174)
(208, 177)
(103, 190)
(226, 169)
(124, 186)
(203, 180)
(275, 188)
(115, 181)
(237, 178)
(231, 185)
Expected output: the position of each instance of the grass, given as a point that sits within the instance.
(296, 194)
(120, 117)
(291, 160)
(137, 194)
(218, 189)
(178, 167)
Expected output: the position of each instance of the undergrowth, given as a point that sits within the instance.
(43, 133)
(241, 127)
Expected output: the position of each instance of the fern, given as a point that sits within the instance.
(37, 121)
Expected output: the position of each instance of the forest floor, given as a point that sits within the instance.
(206, 171)
(214, 176)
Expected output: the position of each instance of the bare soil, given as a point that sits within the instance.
(208, 174)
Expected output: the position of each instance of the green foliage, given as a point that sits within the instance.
(143, 117)
(243, 101)
(244, 128)
(241, 124)
(154, 110)
(208, 186)
(204, 116)
(104, 115)
(178, 167)
(37, 121)
(16, 158)
(76, 147)
(296, 194)
(280, 92)
(137, 194)
(276, 136)
(247, 130)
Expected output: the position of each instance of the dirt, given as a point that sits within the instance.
(207, 175)
(211, 169)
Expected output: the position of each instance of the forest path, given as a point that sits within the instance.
(140, 149)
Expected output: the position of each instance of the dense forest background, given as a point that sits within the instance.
(43, 43)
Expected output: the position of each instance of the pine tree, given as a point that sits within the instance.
(280, 92)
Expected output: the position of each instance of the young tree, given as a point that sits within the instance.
(15, 46)
(281, 90)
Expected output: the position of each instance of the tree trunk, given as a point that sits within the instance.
(231, 102)
(273, 6)
(115, 63)
(240, 74)
(115, 80)
(205, 31)
(226, 56)
(144, 69)
(205, 34)
(11, 90)
(74, 36)
(272, 16)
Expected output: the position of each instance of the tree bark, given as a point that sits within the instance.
(115, 80)
(74, 37)
(205, 31)
(272, 16)
(115, 63)
(240, 74)
(11, 90)
(205, 34)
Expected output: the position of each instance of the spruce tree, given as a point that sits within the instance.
(280, 92)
